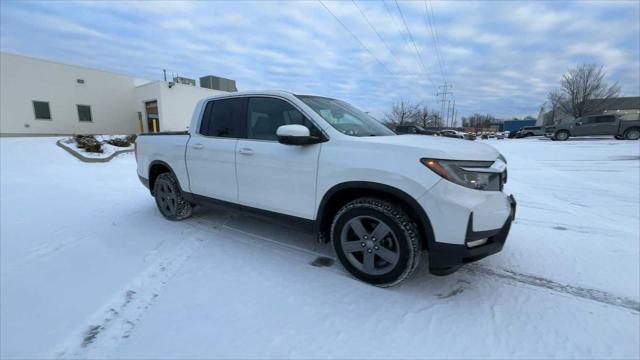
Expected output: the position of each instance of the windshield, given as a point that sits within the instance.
(345, 118)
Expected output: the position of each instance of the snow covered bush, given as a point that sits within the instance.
(119, 141)
(89, 143)
(122, 141)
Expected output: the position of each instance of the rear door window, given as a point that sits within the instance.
(224, 118)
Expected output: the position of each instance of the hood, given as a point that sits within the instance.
(438, 147)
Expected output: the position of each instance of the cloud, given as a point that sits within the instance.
(501, 57)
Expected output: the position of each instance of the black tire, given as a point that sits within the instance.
(632, 134)
(561, 135)
(169, 199)
(401, 238)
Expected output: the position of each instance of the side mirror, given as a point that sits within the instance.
(296, 135)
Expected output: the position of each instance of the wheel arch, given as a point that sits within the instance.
(342, 193)
(157, 167)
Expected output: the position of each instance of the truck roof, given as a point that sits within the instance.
(255, 93)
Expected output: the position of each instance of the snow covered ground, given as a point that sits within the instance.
(89, 268)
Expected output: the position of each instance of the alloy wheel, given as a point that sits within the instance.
(370, 245)
(167, 199)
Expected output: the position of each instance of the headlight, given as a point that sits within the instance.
(478, 175)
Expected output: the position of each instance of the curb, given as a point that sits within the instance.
(89, 159)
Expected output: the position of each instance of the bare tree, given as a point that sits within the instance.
(402, 112)
(585, 90)
(427, 118)
(554, 99)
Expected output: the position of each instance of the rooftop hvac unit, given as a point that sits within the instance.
(218, 83)
(183, 80)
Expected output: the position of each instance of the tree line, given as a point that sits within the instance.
(405, 112)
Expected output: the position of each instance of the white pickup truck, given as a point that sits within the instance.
(381, 199)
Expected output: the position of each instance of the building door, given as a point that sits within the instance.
(153, 120)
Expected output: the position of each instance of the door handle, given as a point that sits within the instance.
(198, 146)
(246, 151)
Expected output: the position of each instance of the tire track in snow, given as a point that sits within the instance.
(124, 312)
(40, 252)
(577, 291)
(473, 269)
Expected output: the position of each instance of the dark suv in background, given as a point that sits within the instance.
(414, 129)
(594, 125)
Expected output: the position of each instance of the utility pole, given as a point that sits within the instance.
(448, 109)
(444, 92)
(164, 71)
(455, 119)
(453, 112)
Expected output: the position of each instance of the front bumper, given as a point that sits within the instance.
(446, 258)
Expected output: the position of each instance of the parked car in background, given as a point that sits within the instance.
(499, 136)
(414, 129)
(379, 198)
(530, 131)
(452, 134)
(469, 136)
(595, 125)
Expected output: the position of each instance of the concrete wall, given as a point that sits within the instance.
(24, 79)
(175, 104)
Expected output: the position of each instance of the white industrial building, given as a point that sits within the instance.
(41, 97)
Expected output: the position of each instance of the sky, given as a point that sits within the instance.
(500, 57)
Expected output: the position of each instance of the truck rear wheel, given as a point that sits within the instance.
(169, 199)
(632, 134)
(376, 241)
(561, 135)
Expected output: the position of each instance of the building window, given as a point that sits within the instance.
(41, 110)
(84, 113)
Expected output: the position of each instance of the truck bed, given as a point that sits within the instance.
(165, 133)
(170, 150)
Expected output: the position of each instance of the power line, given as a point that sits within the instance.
(437, 35)
(358, 40)
(433, 37)
(393, 19)
(414, 44)
(380, 37)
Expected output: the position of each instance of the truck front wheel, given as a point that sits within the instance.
(632, 134)
(561, 135)
(169, 199)
(376, 241)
